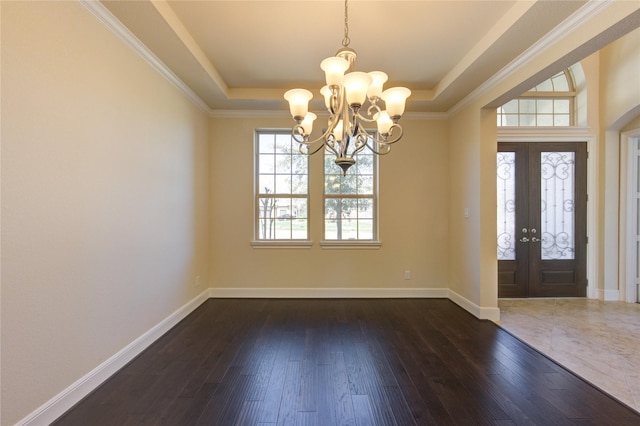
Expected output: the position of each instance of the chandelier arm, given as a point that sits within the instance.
(369, 118)
(320, 146)
(330, 144)
(355, 124)
(336, 101)
(360, 143)
(365, 118)
(297, 133)
(390, 141)
(386, 149)
(307, 148)
(374, 106)
(363, 131)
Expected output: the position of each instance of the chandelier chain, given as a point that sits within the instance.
(346, 40)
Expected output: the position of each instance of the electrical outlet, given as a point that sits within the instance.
(197, 280)
(407, 275)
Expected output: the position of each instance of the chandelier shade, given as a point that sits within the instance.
(355, 102)
(395, 99)
(298, 102)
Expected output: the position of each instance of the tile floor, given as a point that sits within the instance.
(599, 341)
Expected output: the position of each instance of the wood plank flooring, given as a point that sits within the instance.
(271, 362)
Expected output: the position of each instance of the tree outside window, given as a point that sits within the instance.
(350, 201)
(282, 198)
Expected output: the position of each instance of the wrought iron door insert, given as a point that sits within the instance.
(542, 219)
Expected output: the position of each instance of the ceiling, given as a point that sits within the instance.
(243, 55)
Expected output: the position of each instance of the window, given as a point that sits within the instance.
(350, 202)
(282, 188)
(549, 104)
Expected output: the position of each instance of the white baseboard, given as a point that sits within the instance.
(59, 404)
(66, 399)
(329, 293)
(609, 295)
(491, 314)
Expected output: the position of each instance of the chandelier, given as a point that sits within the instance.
(354, 101)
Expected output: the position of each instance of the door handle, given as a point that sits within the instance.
(524, 240)
(536, 240)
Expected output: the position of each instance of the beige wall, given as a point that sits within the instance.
(104, 199)
(413, 217)
(620, 84)
(464, 178)
(472, 250)
(619, 95)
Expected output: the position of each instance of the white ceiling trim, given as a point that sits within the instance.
(248, 113)
(116, 27)
(497, 31)
(185, 36)
(259, 113)
(573, 22)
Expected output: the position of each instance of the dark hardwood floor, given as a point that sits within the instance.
(343, 362)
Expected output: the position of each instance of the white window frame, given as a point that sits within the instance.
(374, 242)
(258, 242)
(536, 94)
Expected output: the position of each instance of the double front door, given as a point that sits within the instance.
(542, 204)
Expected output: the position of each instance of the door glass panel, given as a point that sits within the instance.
(557, 174)
(506, 205)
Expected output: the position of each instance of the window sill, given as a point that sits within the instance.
(350, 245)
(302, 244)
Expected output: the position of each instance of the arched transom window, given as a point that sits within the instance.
(549, 104)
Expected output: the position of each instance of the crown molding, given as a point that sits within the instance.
(248, 113)
(425, 115)
(112, 23)
(256, 113)
(588, 11)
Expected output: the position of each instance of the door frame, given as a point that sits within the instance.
(572, 134)
(627, 246)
